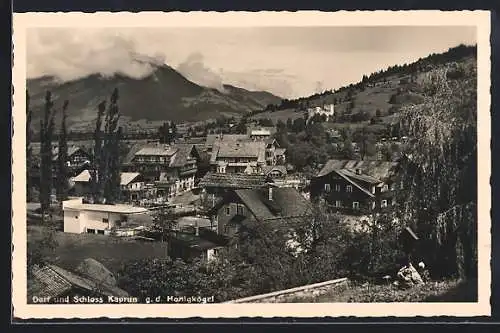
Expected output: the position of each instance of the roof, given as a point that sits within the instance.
(182, 154)
(156, 150)
(127, 177)
(217, 138)
(83, 176)
(46, 282)
(131, 153)
(361, 177)
(71, 150)
(232, 180)
(52, 280)
(376, 169)
(341, 174)
(249, 149)
(261, 130)
(280, 151)
(268, 168)
(286, 203)
(119, 208)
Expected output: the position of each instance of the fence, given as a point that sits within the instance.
(283, 296)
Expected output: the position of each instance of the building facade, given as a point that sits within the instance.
(358, 187)
(96, 218)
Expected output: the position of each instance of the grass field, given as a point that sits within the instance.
(434, 291)
(108, 250)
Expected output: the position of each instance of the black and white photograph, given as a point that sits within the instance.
(252, 162)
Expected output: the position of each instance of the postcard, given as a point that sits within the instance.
(265, 164)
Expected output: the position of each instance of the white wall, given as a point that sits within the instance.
(79, 221)
(72, 221)
(93, 220)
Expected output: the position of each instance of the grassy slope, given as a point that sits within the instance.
(371, 99)
(110, 251)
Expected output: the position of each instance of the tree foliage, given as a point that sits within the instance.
(441, 169)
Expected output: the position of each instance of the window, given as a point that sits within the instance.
(385, 188)
(228, 210)
(337, 187)
(348, 188)
(338, 203)
(76, 216)
(327, 187)
(90, 231)
(355, 205)
(240, 210)
(100, 232)
(105, 220)
(383, 203)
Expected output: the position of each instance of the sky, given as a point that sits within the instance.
(288, 61)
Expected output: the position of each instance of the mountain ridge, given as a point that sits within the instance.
(164, 94)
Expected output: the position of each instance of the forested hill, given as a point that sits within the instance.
(384, 90)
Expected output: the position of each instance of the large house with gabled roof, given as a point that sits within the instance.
(171, 169)
(281, 206)
(356, 186)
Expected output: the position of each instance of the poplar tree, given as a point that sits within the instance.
(106, 164)
(46, 133)
(62, 158)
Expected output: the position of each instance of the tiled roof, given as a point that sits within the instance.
(46, 282)
(52, 280)
(375, 169)
(232, 180)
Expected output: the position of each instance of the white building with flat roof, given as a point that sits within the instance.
(81, 217)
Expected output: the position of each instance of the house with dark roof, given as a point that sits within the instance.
(356, 186)
(201, 243)
(238, 157)
(78, 159)
(215, 185)
(281, 206)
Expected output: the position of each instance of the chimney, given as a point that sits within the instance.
(270, 193)
(358, 171)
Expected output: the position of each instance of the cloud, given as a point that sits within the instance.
(70, 55)
(194, 69)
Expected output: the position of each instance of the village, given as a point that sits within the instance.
(326, 193)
